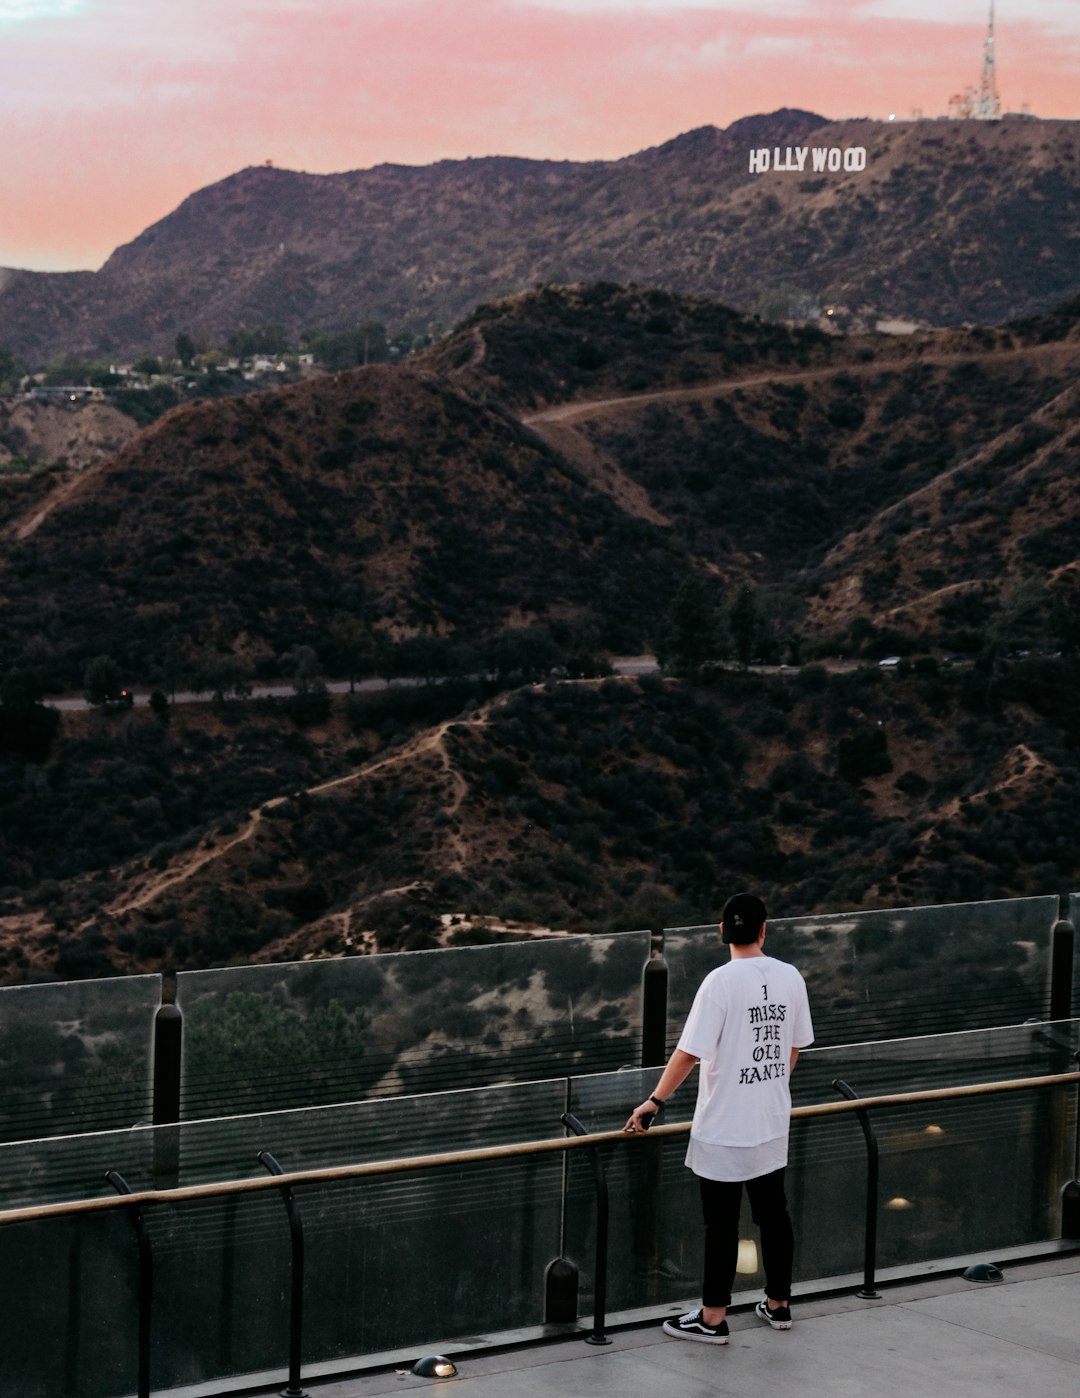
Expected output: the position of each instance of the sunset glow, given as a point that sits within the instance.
(115, 110)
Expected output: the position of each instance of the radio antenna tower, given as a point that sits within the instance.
(988, 103)
(981, 103)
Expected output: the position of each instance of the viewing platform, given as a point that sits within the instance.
(303, 1178)
(943, 1336)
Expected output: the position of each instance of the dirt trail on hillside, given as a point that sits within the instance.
(599, 407)
(1020, 766)
(176, 874)
(560, 425)
(23, 528)
(432, 741)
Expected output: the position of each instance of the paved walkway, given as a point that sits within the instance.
(941, 1338)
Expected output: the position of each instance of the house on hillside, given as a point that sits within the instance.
(65, 393)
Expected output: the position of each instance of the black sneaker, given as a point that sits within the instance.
(779, 1318)
(693, 1326)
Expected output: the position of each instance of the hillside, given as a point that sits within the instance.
(576, 804)
(384, 500)
(563, 462)
(949, 222)
(876, 490)
(914, 494)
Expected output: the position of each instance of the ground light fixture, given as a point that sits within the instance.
(748, 1257)
(434, 1366)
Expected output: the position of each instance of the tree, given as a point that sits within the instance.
(67, 369)
(863, 754)
(248, 1042)
(352, 648)
(693, 633)
(185, 349)
(258, 339)
(27, 727)
(102, 678)
(1065, 621)
(342, 349)
(787, 302)
(744, 620)
(221, 674)
(159, 707)
(310, 702)
(12, 370)
(526, 652)
(1023, 620)
(174, 663)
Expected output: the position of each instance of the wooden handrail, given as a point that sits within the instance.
(330, 1174)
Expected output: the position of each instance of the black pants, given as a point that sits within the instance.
(720, 1204)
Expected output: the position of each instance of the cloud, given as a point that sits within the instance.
(1047, 15)
(717, 8)
(15, 11)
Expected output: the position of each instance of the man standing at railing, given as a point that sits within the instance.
(746, 1026)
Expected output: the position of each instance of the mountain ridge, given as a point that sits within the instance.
(950, 222)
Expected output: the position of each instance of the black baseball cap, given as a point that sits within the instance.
(742, 919)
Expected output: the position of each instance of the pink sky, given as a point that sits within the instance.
(114, 110)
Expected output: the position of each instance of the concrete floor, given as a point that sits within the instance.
(940, 1338)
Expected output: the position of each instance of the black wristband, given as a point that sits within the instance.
(656, 1100)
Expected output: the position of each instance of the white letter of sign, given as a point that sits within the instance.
(855, 158)
(759, 161)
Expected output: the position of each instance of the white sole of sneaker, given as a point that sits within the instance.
(761, 1311)
(670, 1329)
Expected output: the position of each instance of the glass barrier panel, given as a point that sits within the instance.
(399, 1260)
(654, 1218)
(428, 1258)
(76, 1056)
(938, 1165)
(889, 1066)
(69, 1286)
(69, 1293)
(261, 1038)
(957, 1176)
(896, 972)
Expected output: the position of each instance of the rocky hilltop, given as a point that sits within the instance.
(949, 222)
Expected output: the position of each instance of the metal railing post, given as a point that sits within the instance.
(168, 1039)
(296, 1300)
(1062, 944)
(654, 990)
(1070, 1195)
(570, 1121)
(146, 1281)
(868, 1291)
(168, 1043)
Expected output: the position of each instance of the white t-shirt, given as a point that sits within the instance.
(746, 1018)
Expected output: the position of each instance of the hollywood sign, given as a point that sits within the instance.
(822, 158)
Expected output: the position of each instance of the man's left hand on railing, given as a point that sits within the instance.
(641, 1118)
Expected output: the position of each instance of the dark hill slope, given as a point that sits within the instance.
(381, 496)
(564, 343)
(590, 805)
(793, 463)
(957, 557)
(906, 484)
(888, 484)
(950, 222)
